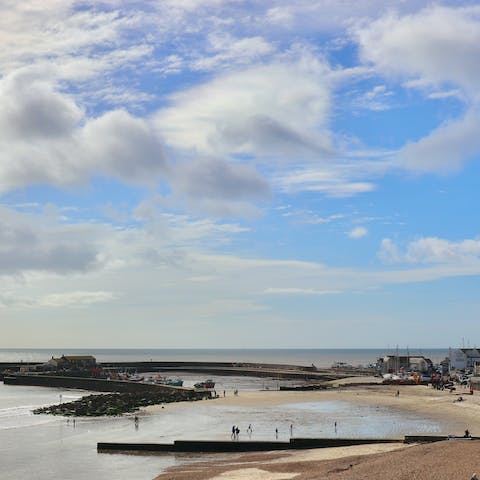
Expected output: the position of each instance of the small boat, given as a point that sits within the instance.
(205, 384)
(135, 378)
(172, 382)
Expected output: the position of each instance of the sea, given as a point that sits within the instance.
(46, 447)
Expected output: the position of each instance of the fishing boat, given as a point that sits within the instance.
(171, 382)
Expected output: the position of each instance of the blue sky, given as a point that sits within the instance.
(223, 173)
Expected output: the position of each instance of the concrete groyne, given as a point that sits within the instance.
(216, 446)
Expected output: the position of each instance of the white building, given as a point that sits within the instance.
(463, 358)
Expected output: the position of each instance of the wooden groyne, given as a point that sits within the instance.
(215, 446)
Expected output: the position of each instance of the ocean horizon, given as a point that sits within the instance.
(320, 357)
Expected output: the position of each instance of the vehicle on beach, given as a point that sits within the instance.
(206, 384)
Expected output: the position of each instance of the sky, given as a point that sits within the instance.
(227, 173)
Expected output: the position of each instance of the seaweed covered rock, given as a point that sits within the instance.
(114, 403)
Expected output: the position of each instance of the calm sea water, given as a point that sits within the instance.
(323, 357)
(46, 447)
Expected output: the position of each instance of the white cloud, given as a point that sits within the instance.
(357, 232)
(335, 180)
(377, 99)
(75, 299)
(254, 111)
(28, 244)
(446, 148)
(437, 45)
(299, 291)
(45, 137)
(229, 51)
(432, 250)
(437, 50)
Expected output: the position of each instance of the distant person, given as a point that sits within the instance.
(335, 426)
(224, 393)
(466, 434)
(249, 429)
(237, 432)
(233, 432)
(291, 429)
(276, 433)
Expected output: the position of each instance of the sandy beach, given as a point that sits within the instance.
(445, 460)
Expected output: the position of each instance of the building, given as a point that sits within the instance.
(407, 363)
(73, 362)
(464, 358)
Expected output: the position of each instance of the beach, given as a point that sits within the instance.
(443, 460)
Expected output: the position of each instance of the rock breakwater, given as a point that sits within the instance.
(114, 403)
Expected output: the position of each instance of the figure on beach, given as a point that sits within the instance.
(250, 430)
(234, 431)
(136, 420)
(466, 434)
(335, 426)
(276, 433)
(291, 430)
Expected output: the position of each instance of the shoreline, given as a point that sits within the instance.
(454, 416)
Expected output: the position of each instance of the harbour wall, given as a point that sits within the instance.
(101, 385)
(235, 369)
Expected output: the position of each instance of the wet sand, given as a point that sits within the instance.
(446, 460)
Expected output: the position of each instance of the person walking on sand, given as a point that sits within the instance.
(291, 430)
(335, 426)
(233, 432)
(276, 433)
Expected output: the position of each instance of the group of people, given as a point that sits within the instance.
(235, 432)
